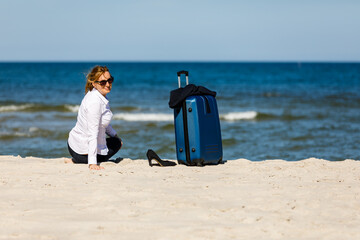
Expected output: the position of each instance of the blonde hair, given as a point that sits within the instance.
(93, 76)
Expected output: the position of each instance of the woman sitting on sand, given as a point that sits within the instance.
(87, 141)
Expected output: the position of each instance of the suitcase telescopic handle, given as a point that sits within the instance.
(187, 77)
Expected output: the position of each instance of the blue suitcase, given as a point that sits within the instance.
(197, 130)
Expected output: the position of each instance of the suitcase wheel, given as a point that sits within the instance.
(199, 162)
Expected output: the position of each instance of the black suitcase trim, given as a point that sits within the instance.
(186, 133)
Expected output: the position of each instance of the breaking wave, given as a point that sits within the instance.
(32, 107)
(235, 116)
(15, 108)
(143, 117)
(163, 117)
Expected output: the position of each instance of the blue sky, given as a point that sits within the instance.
(186, 30)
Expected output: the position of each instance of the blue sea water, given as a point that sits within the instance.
(288, 111)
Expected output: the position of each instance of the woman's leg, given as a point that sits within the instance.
(114, 145)
(78, 158)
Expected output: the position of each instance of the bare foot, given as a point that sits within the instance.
(95, 167)
(68, 161)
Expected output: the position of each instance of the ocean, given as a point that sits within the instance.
(288, 111)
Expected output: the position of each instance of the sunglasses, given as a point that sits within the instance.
(103, 82)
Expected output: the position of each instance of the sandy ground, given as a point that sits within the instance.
(308, 199)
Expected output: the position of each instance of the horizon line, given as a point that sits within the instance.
(180, 61)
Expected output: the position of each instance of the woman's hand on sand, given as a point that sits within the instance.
(95, 167)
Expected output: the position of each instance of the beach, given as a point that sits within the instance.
(45, 198)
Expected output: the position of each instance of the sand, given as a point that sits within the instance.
(274, 199)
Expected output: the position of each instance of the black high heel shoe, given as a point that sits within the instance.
(152, 155)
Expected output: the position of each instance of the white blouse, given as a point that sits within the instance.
(93, 123)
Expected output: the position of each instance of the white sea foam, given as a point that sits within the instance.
(143, 117)
(21, 134)
(14, 108)
(235, 116)
(72, 108)
(163, 117)
(12, 134)
(33, 129)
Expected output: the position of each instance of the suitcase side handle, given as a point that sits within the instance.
(186, 74)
